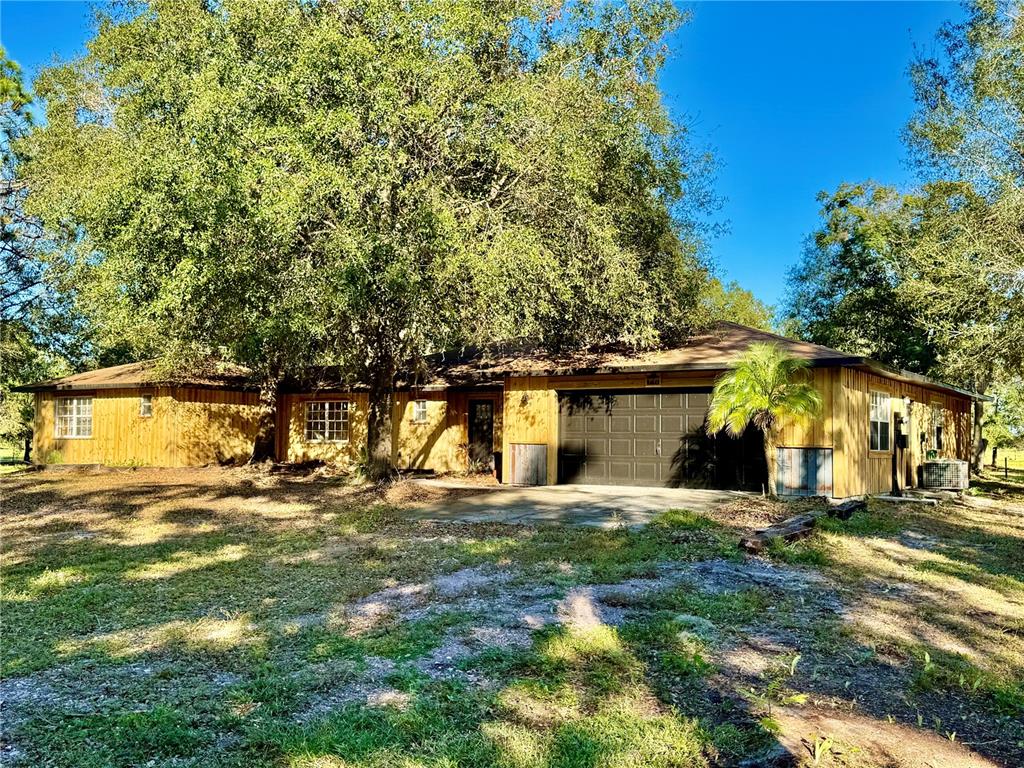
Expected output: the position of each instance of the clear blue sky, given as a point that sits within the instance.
(793, 98)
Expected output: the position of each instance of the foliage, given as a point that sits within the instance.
(1004, 419)
(971, 100)
(20, 275)
(765, 387)
(38, 332)
(846, 291)
(23, 360)
(733, 303)
(356, 185)
(931, 280)
(762, 388)
(968, 135)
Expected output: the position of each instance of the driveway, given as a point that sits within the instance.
(599, 506)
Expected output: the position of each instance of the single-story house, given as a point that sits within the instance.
(129, 415)
(597, 417)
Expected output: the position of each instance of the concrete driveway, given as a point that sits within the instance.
(600, 506)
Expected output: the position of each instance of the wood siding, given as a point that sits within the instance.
(189, 427)
(193, 426)
(859, 470)
(438, 444)
(531, 417)
(818, 432)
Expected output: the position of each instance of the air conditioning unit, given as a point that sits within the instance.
(948, 473)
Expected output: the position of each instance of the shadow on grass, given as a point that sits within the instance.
(933, 634)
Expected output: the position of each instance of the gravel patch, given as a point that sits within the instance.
(470, 581)
(369, 686)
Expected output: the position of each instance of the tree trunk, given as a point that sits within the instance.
(995, 453)
(28, 450)
(979, 445)
(771, 456)
(265, 446)
(379, 465)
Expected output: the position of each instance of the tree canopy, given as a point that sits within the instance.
(357, 184)
(846, 291)
(732, 302)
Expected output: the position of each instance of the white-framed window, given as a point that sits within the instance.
(938, 421)
(327, 421)
(419, 411)
(145, 406)
(880, 421)
(73, 417)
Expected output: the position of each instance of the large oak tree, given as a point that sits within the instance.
(356, 183)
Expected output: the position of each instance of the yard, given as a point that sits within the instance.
(234, 618)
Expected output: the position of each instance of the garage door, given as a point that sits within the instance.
(629, 438)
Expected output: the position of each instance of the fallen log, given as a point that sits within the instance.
(791, 529)
(846, 509)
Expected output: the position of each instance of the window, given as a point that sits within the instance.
(74, 416)
(938, 421)
(880, 418)
(146, 406)
(327, 421)
(419, 411)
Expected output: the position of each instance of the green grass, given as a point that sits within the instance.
(1014, 458)
(211, 589)
(170, 619)
(11, 458)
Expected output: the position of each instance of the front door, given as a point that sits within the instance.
(481, 434)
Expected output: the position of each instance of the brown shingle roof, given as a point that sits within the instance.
(146, 374)
(711, 351)
(714, 350)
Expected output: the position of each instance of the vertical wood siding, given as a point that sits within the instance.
(817, 432)
(859, 470)
(291, 430)
(531, 417)
(439, 444)
(189, 427)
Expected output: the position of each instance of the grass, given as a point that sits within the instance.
(11, 458)
(224, 618)
(1014, 458)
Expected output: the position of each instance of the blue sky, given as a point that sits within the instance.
(793, 98)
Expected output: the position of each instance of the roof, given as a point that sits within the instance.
(147, 373)
(714, 350)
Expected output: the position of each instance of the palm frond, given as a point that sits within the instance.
(764, 387)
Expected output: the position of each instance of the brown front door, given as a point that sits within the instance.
(481, 434)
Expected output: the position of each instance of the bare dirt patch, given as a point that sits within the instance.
(856, 741)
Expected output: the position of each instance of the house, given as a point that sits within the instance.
(131, 415)
(599, 417)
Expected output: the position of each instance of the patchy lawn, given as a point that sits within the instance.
(230, 618)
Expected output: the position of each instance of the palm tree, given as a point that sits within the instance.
(762, 388)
